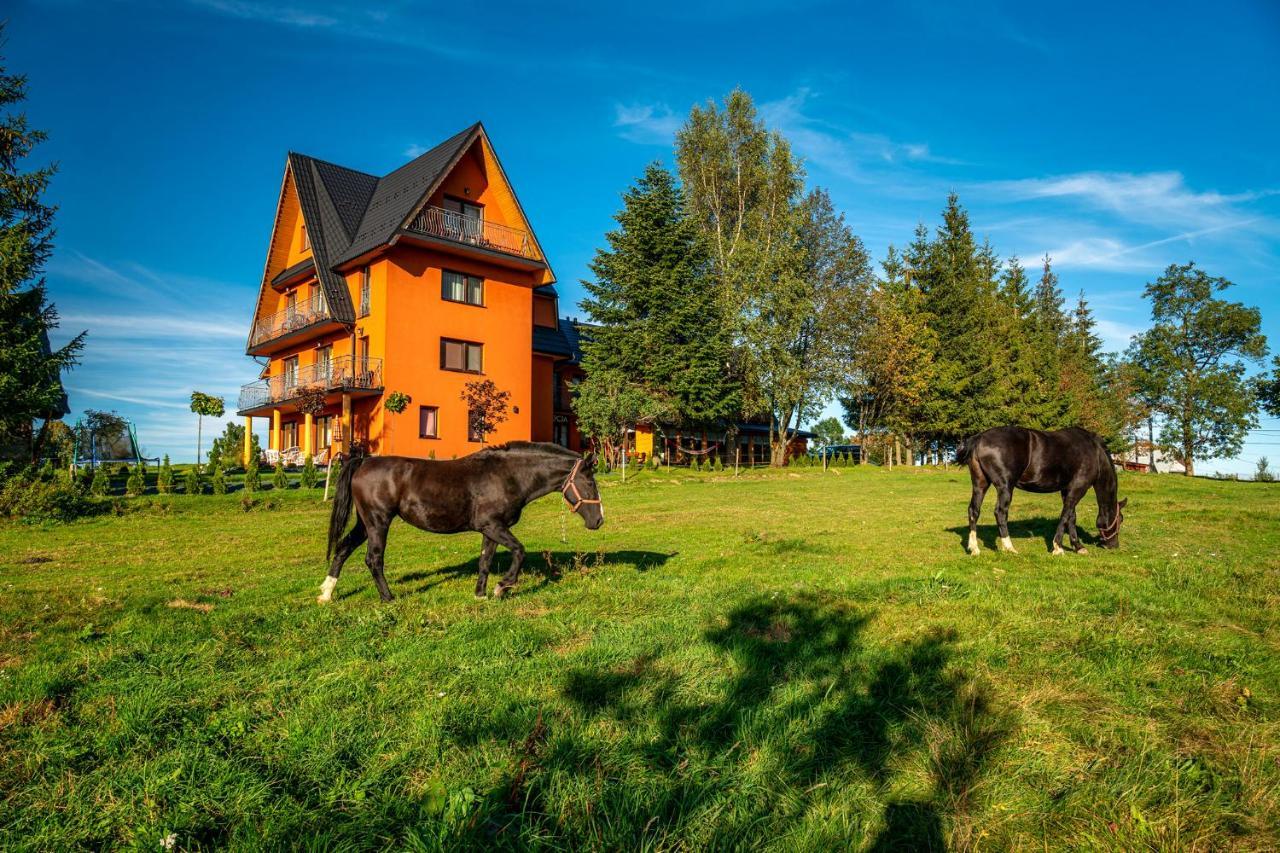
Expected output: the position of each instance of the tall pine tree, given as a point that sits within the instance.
(659, 321)
(30, 371)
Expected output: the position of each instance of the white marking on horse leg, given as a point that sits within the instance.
(1006, 544)
(1082, 550)
(1057, 549)
(326, 590)
(973, 542)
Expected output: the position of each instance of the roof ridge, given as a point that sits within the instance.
(331, 163)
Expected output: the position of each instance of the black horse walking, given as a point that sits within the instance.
(1070, 461)
(483, 492)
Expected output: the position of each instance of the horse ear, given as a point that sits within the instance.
(1124, 503)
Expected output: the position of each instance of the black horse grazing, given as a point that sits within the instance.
(484, 492)
(1069, 461)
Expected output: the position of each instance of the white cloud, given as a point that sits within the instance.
(1151, 198)
(287, 15)
(646, 124)
(415, 150)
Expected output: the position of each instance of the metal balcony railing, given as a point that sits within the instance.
(297, 316)
(341, 373)
(452, 225)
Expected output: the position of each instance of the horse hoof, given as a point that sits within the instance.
(1057, 551)
(973, 552)
(1082, 550)
(322, 599)
(480, 596)
(501, 592)
(1006, 544)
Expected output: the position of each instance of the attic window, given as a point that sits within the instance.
(306, 241)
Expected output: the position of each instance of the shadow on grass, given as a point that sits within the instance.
(806, 709)
(548, 566)
(988, 532)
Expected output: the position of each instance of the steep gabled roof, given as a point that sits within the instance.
(349, 213)
(399, 193)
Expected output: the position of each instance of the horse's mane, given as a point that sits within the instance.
(529, 447)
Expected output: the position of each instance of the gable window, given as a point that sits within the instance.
(459, 287)
(364, 292)
(462, 356)
(306, 241)
(463, 220)
(428, 422)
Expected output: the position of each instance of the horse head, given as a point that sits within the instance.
(1109, 528)
(582, 494)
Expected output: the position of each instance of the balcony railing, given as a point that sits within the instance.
(452, 225)
(297, 316)
(341, 373)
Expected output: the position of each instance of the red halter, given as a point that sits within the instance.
(570, 482)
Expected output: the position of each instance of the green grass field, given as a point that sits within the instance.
(785, 660)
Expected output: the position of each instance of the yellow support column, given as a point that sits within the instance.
(274, 441)
(307, 430)
(248, 439)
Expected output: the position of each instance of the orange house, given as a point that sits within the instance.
(411, 284)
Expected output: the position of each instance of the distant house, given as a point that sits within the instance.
(418, 282)
(1139, 457)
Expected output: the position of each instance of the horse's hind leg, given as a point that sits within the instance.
(1004, 497)
(980, 485)
(503, 536)
(489, 548)
(1068, 507)
(355, 536)
(1076, 544)
(373, 554)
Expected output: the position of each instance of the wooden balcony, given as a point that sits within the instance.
(302, 319)
(487, 240)
(341, 375)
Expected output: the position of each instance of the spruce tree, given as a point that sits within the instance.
(956, 281)
(279, 479)
(136, 483)
(100, 486)
(220, 481)
(191, 482)
(30, 371)
(658, 319)
(164, 480)
(309, 476)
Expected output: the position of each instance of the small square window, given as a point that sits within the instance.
(458, 287)
(428, 422)
(461, 356)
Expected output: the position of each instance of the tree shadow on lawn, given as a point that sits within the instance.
(989, 532)
(807, 707)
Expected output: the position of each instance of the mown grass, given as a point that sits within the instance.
(786, 661)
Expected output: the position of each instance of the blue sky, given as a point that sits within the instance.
(1116, 137)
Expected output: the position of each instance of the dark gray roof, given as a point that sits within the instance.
(547, 290)
(397, 194)
(571, 331)
(551, 342)
(349, 212)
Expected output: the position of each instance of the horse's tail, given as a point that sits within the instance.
(965, 450)
(342, 500)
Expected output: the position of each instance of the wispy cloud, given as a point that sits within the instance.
(1151, 198)
(646, 124)
(415, 150)
(270, 12)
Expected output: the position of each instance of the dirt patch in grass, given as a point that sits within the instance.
(26, 713)
(183, 604)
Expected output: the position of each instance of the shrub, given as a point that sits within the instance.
(100, 485)
(252, 478)
(37, 500)
(85, 474)
(46, 471)
(279, 480)
(1263, 473)
(309, 474)
(164, 480)
(191, 483)
(719, 464)
(137, 482)
(219, 481)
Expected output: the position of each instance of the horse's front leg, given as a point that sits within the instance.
(486, 561)
(1076, 544)
(500, 534)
